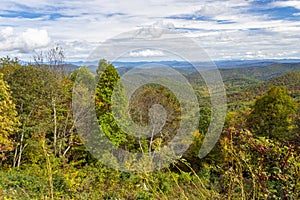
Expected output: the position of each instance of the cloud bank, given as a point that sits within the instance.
(25, 42)
(227, 29)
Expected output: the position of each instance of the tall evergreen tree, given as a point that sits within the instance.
(108, 78)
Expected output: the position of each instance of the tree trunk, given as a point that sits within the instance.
(21, 149)
(55, 128)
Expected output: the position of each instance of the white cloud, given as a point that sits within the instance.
(5, 33)
(146, 53)
(25, 42)
(214, 9)
(78, 49)
(34, 38)
(294, 3)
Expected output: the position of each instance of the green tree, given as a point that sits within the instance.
(33, 105)
(8, 118)
(83, 94)
(107, 77)
(272, 114)
(8, 66)
(58, 89)
(43, 102)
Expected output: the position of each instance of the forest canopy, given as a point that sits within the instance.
(42, 156)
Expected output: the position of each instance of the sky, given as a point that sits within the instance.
(225, 30)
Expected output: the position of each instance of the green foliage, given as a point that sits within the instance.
(141, 104)
(82, 75)
(21, 184)
(46, 159)
(271, 114)
(259, 168)
(107, 78)
(8, 66)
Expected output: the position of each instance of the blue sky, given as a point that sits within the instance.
(232, 29)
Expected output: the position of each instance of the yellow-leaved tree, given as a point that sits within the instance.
(9, 121)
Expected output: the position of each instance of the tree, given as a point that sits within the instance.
(58, 90)
(107, 77)
(8, 66)
(32, 103)
(54, 58)
(43, 102)
(272, 114)
(8, 118)
(83, 94)
(157, 107)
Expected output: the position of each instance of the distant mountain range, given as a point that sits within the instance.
(218, 63)
(188, 67)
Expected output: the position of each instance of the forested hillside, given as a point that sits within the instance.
(42, 155)
(263, 73)
(249, 92)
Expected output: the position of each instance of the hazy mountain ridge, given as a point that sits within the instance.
(187, 67)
